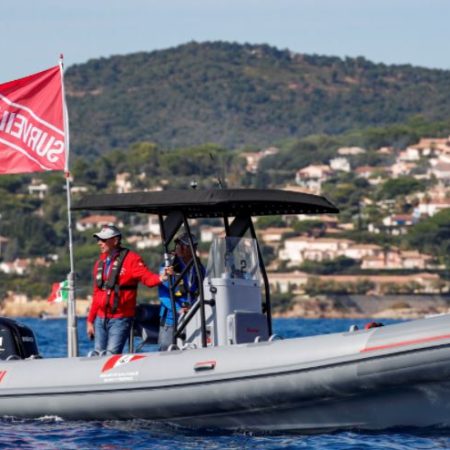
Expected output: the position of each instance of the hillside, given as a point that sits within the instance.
(236, 95)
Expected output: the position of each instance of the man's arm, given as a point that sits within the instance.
(143, 274)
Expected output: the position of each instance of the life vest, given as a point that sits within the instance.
(112, 282)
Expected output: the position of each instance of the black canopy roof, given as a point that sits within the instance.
(211, 203)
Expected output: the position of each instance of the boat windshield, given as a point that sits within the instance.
(232, 257)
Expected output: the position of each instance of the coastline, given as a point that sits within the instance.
(38, 308)
(326, 306)
(362, 306)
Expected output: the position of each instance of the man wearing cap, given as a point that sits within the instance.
(186, 292)
(117, 273)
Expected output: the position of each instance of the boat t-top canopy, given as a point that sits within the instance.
(211, 203)
(175, 207)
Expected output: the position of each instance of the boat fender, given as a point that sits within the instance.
(275, 337)
(204, 365)
(370, 325)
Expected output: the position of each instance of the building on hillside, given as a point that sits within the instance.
(312, 177)
(79, 189)
(440, 168)
(351, 151)
(284, 282)
(374, 175)
(97, 221)
(360, 251)
(17, 267)
(340, 164)
(274, 235)
(123, 183)
(296, 250)
(38, 189)
(254, 158)
(402, 168)
(397, 260)
(433, 146)
(398, 224)
(429, 207)
(409, 154)
(143, 242)
(208, 233)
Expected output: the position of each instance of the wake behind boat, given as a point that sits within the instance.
(225, 368)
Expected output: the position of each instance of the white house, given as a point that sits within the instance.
(208, 233)
(440, 168)
(351, 151)
(273, 235)
(360, 251)
(431, 206)
(301, 248)
(285, 282)
(341, 164)
(97, 221)
(39, 190)
(123, 183)
(312, 176)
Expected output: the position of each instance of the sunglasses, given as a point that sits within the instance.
(102, 240)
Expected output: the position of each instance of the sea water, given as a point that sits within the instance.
(54, 433)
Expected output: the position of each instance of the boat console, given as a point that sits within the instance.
(233, 297)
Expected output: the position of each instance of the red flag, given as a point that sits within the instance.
(32, 123)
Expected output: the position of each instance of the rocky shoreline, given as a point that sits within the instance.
(361, 306)
(343, 306)
(39, 308)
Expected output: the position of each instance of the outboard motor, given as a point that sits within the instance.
(17, 341)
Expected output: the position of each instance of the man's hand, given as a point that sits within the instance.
(164, 275)
(90, 330)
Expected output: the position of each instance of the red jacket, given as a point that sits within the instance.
(133, 271)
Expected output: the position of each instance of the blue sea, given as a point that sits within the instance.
(54, 433)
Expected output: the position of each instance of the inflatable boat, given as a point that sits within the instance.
(225, 368)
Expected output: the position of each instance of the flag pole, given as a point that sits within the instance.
(72, 333)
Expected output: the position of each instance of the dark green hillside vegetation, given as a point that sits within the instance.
(235, 95)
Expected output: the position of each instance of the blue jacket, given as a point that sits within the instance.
(186, 292)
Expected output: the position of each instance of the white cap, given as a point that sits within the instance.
(108, 232)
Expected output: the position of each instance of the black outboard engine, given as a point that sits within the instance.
(17, 341)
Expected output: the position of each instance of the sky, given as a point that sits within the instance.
(35, 32)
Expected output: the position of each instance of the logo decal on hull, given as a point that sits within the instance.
(119, 360)
(2, 375)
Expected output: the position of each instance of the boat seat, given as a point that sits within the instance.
(145, 326)
(246, 326)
